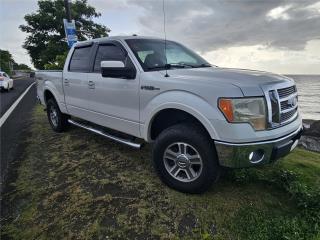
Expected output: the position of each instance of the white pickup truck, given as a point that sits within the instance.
(199, 117)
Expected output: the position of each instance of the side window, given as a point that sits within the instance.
(108, 53)
(80, 60)
(5, 75)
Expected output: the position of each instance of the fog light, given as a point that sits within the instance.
(256, 156)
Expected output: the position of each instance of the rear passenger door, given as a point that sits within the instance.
(75, 81)
(114, 102)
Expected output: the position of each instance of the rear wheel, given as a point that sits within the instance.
(185, 158)
(57, 119)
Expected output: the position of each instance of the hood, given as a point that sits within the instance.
(249, 81)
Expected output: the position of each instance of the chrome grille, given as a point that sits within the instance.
(287, 115)
(284, 105)
(284, 92)
(287, 104)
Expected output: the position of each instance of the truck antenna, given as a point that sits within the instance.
(165, 38)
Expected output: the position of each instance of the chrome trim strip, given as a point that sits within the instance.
(99, 132)
(288, 97)
(279, 107)
(262, 142)
(269, 107)
(289, 109)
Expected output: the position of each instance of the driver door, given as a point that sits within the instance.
(114, 102)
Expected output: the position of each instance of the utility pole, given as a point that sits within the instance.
(67, 6)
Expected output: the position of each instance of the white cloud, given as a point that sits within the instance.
(279, 13)
(280, 36)
(11, 38)
(269, 59)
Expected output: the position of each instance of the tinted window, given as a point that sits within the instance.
(154, 54)
(80, 60)
(108, 53)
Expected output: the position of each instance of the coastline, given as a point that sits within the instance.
(308, 122)
(310, 138)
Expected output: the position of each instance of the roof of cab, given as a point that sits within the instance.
(113, 38)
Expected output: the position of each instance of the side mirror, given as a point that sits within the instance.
(116, 69)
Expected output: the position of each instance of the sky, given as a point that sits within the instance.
(278, 36)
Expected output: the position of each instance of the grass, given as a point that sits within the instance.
(77, 185)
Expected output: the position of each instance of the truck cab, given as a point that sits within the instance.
(199, 117)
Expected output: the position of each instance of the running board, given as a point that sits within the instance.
(106, 135)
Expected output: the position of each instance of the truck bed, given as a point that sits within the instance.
(54, 79)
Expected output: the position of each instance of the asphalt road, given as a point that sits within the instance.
(8, 98)
(15, 127)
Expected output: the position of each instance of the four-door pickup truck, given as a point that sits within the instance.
(199, 117)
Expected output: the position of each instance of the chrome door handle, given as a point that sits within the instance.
(91, 84)
(66, 82)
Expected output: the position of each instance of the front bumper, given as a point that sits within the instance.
(3, 85)
(239, 155)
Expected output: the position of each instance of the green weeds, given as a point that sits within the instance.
(78, 185)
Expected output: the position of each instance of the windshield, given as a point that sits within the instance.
(154, 54)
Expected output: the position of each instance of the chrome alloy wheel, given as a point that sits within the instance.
(53, 116)
(183, 162)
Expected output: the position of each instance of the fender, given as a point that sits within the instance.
(180, 100)
(49, 86)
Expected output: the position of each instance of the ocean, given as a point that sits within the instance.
(309, 95)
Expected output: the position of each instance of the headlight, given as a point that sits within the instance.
(240, 110)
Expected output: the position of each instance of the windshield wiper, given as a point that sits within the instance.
(183, 65)
(157, 67)
(169, 66)
(203, 65)
(178, 65)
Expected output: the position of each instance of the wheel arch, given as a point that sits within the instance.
(50, 90)
(47, 94)
(175, 113)
(195, 106)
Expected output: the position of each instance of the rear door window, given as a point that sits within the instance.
(80, 60)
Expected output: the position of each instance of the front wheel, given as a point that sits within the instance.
(57, 119)
(185, 159)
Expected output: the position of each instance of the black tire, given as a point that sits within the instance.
(196, 138)
(60, 122)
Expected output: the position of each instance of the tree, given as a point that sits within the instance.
(58, 64)
(46, 36)
(5, 61)
(21, 66)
